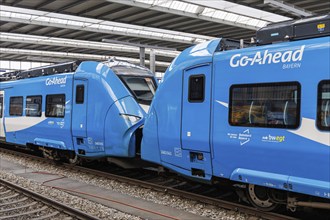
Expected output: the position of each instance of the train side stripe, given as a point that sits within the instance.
(13, 124)
(309, 131)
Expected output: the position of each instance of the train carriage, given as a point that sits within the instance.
(89, 109)
(257, 115)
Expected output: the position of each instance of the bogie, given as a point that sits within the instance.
(259, 197)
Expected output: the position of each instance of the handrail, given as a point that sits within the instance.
(326, 110)
(250, 112)
(285, 113)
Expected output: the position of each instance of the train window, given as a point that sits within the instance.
(55, 106)
(275, 105)
(1, 105)
(16, 106)
(80, 90)
(323, 106)
(196, 88)
(33, 106)
(143, 88)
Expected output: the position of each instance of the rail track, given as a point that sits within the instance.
(19, 203)
(168, 184)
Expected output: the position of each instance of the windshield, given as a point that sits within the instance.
(143, 88)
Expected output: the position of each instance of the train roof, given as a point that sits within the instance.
(120, 67)
(41, 71)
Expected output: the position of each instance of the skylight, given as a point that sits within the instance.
(218, 10)
(33, 39)
(29, 16)
(72, 55)
(10, 65)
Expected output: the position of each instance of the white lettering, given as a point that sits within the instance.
(244, 61)
(257, 58)
(297, 55)
(276, 57)
(266, 57)
(287, 56)
(55, 81)
(291, 66)
(232, 59)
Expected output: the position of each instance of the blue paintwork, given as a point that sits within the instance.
(95, 126)
(297, 161)
(164, 117)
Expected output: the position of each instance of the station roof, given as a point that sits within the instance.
(62, 30)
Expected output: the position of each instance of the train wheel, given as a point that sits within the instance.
(50, 154)
(259, 198)
(74, 159)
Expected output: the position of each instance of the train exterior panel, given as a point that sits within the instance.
(294, 152)
(162, 131)
(21, 129)
(89, 111)
(258, 115)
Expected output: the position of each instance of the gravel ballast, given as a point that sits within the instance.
(100, 210)
(76, 202)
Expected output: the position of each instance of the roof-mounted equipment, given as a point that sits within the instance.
(41, 71)
(310, 27)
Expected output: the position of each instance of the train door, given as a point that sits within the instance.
(79, 113)
(2, 129)
(196, 109)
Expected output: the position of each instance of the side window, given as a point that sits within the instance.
(323, 106)
(1, 105)
(80, 90)
(33, 106)
(196, 88)
(16, 106)
(55, 106)
(275, 105)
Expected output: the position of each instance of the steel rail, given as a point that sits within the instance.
(165, 189)
(49, 202)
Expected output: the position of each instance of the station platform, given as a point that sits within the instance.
(106, 197)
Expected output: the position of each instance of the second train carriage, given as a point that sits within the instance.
(89, 109)
(258, 116)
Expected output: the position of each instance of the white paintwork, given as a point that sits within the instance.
(21, 123)
(145, 107)
(222, 103)
(2, 128)
(308, 130)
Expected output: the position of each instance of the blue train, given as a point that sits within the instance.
(90, 109)
(258, 116)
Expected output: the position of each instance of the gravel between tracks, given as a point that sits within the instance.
(100, 210)
(84, 205)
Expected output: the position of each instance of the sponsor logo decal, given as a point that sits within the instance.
(177, 152)
(243, 137)
(321, 27)
(274, 139)
(266, 57)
